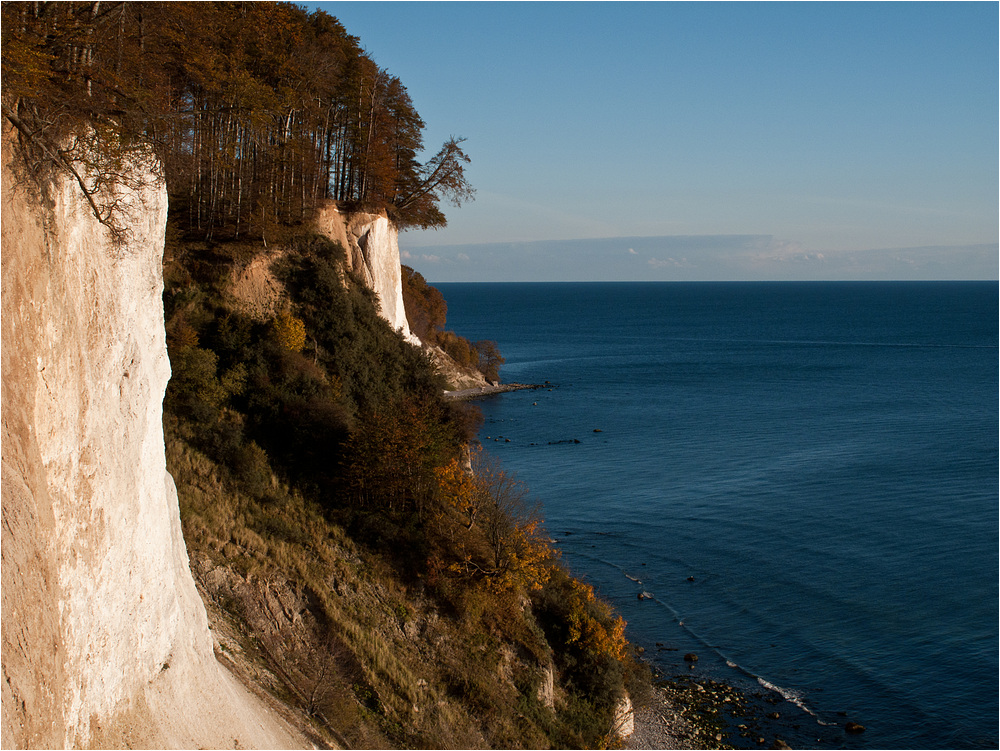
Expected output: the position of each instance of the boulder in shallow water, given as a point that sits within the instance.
(691, 657)
(853, 727)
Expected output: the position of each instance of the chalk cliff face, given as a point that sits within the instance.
(105, 639)
(372, 245)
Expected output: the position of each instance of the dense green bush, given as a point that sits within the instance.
(373, 363)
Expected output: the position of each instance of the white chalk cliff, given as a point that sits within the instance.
(105, 640)
(372, 245)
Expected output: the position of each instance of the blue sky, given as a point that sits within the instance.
(703, 140)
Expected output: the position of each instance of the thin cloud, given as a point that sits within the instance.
(425, 257)
(697, 258)
(670, 263)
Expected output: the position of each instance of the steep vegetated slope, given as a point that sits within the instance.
(389, 579)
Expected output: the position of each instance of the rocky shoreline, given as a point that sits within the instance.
(698, 713)
(688, 711)
(498, 388)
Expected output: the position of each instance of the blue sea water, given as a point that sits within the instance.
(820, 458)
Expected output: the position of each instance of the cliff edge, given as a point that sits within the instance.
(105, 640)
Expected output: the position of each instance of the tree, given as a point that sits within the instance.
(289, 332)
(489, 359)
(461, 490)
(443, 177)
(394, 453)
(512, 528)
(257, 111)
(514, 555)
(426, 309)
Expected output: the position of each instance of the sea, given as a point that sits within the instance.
(800, 479)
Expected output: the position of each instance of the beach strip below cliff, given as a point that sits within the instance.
(479, 392)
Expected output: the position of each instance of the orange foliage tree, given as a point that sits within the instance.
(289, 332)
(603, 635)
(503, 545)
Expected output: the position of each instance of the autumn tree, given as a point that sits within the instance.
(289, 332)
(442, 178)
(461, 491)
(512, 528)
(489, 359)
(393, 454)
(257, 111)
(76, 96)
(588, 638)
(514, 556)
(426, 309)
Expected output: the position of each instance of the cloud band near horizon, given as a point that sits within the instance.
(694, 258)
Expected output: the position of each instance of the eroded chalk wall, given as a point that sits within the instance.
(372, 245)
(104, 637)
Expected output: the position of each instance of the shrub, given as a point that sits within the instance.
(587, 637)
(289, 332)
(252, 469)
(194, 389)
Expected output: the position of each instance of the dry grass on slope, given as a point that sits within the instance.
(327, 629)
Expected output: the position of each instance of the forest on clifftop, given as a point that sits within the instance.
(255, 110)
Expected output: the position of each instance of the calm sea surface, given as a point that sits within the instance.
(821, 458)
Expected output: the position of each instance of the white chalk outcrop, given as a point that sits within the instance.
(372, 245)
(623, 724)
(105, 640)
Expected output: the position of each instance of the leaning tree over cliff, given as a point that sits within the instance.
(257, 111)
